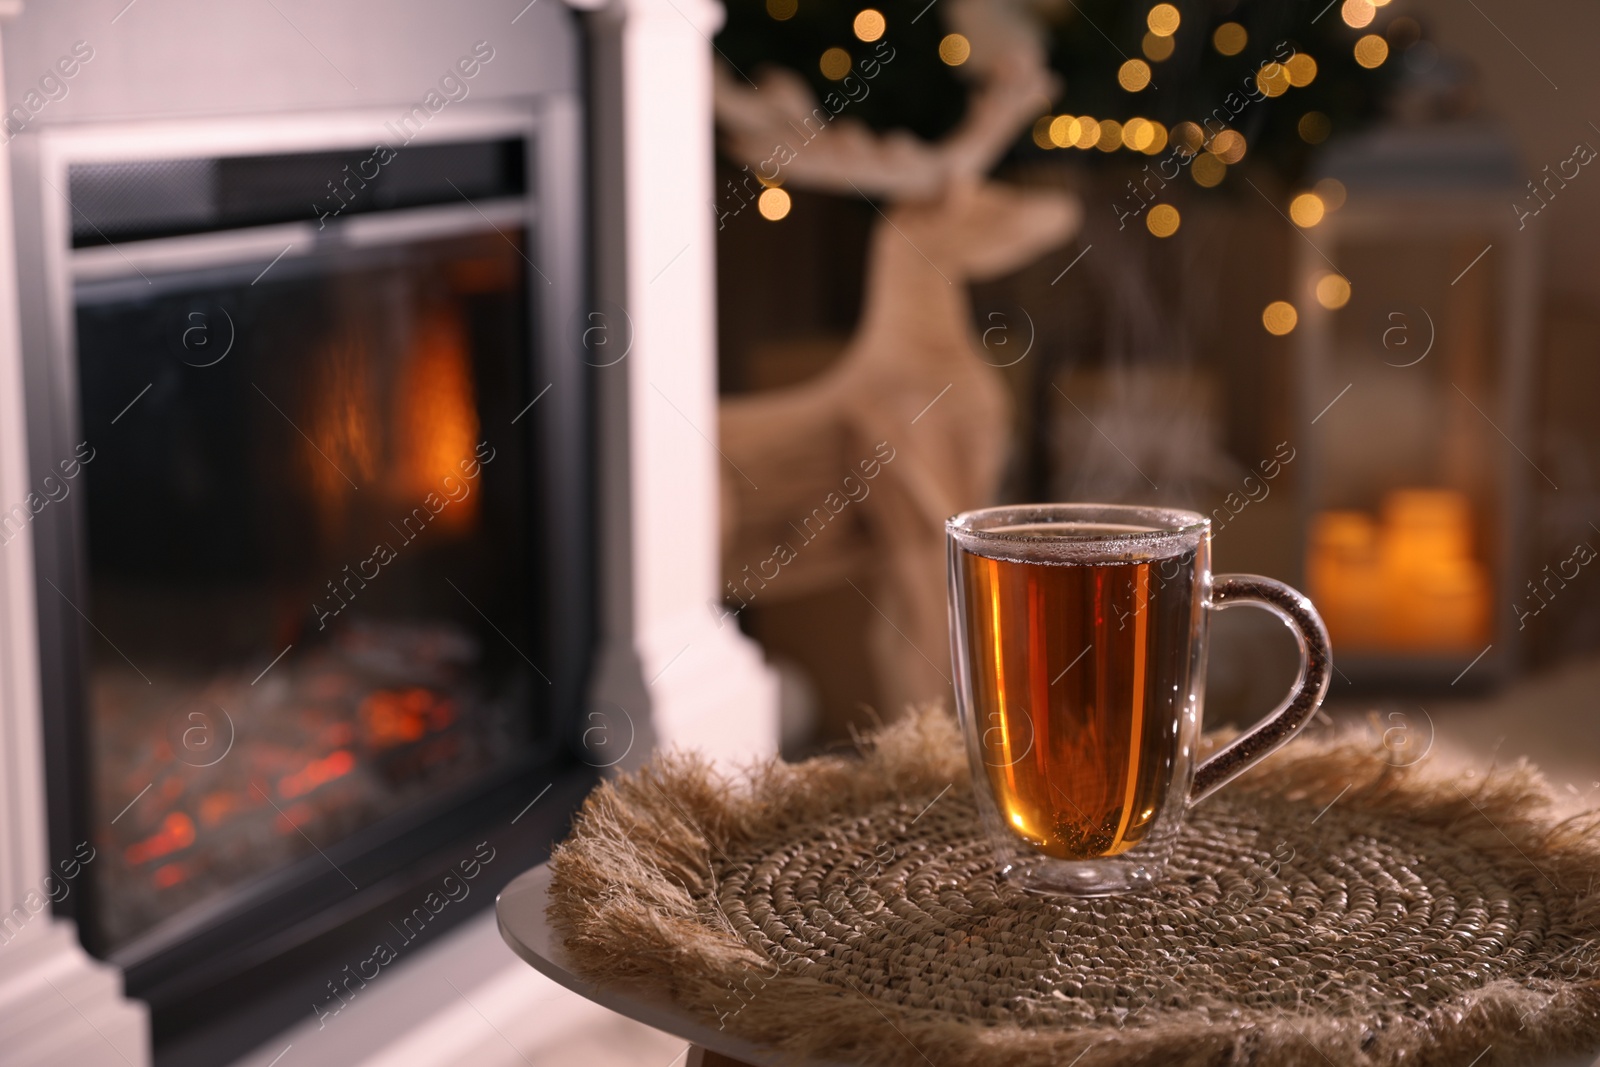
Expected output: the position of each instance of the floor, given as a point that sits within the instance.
(1551, 719)
(484, 1008)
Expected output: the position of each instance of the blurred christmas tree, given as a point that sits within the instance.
(1205, 82)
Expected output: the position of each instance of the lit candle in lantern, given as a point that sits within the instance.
(1408, 583)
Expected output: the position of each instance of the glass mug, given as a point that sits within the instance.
(1079, 634)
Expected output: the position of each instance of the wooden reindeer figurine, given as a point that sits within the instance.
(850, 476)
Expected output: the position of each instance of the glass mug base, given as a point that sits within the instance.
(1136, 870)
(1079, 637)
(1112, 876)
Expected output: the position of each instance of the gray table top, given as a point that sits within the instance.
(521, 912)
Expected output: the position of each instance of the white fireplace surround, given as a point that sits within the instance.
(663, 657)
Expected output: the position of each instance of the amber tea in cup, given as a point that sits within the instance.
(1079, 638)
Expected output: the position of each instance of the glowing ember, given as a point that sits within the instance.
(176, 833)
(168, 875)
(294, 817)
(317, 772)
(215, 807)
(391, 717)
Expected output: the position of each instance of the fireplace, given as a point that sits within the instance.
(314, 598)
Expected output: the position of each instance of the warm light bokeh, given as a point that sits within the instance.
(835, 63)
(1357, 13)
(1333, 291)
(1156, 47)
(1307, 210)
(1163, 20)
(954, 49)
(1279, 317)
(1332, 192)
(869, 24)
(1134, 75)
(1371, 51)
(1163, 220)
(1230, 38)
(1229, 146)
(1302, 70)
(1314, 127)
(773, 204)
(1273, 79)
(1207, 170)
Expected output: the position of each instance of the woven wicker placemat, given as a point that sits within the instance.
(1328, 908)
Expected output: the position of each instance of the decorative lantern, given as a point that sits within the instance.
(1415, 281)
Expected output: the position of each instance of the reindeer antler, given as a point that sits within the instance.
(767, 125)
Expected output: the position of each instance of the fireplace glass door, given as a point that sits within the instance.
(307, 535)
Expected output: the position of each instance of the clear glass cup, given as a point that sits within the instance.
(1078, 634)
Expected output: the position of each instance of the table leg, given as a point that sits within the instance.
(700, 1057)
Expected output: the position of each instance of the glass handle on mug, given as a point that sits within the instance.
(1316, 661)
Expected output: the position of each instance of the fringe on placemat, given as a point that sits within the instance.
(634, 893)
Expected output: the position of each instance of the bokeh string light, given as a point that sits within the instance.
(1137, 133)
(954, 49)
(1163, 20)
(1302, 70)
(1156, 47)
(1163, 220)
(1230, 38)
(835, 64)
(1207, 170)
(1358, 14)
(773, 204)
(869, 25)
(1314, 127)
(1371, 51)
(1333, 291)
(1279, 318)
(1159, 39)
(1307, 210)
(1229, 146)
(1332, 192)
(1273, 79)
(1213, 154)
(1134, 75)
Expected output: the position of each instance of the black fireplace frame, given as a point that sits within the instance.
(258, 967)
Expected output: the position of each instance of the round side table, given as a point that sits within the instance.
(520, 909)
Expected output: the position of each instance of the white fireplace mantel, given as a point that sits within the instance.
(57, 1005)
(703, 684)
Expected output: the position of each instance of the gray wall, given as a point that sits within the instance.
(1539, 77)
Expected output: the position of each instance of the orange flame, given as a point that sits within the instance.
(340, 445)
(436, 417)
